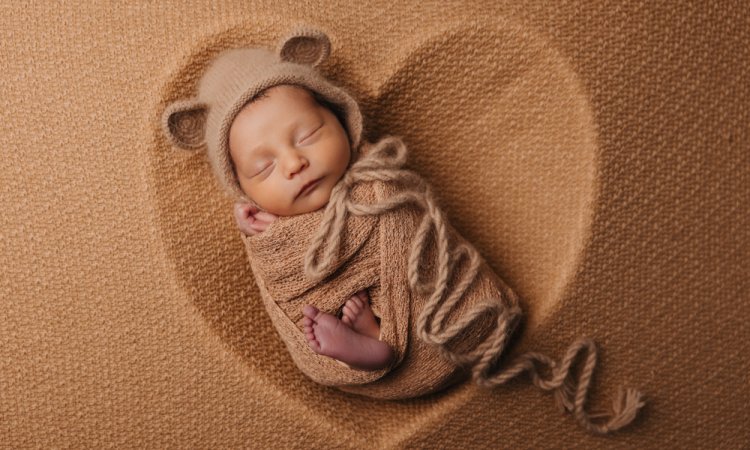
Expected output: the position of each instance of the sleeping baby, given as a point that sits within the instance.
(289, 151)
(366, 282)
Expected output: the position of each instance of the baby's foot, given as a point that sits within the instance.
(359, 316)
(328, 336)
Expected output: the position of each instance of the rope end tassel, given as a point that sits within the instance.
(568, 395)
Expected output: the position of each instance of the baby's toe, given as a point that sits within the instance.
(310, 312)
(351, 318)
(360, 302)
(315, 345)
(346, 313)
(352, 307)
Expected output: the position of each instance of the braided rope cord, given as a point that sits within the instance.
(384, 162)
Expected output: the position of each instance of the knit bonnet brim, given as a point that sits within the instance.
(234, 77)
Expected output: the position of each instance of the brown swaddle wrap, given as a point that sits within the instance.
(383, 231)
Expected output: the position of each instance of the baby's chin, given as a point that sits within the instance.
(314, 201)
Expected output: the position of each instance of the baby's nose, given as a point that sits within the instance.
(294, 162)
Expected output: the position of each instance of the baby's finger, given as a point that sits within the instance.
(243, 210)
(265, 217)
(247, 229)
(238, 211)
(240, 221)
(258, 226)
(247, 205)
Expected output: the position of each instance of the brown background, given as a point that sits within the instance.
(596, 154)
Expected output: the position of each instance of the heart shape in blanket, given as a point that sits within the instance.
(494, 118)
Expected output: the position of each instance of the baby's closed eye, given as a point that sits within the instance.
(311, 133)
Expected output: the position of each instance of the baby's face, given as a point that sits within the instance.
(283, 141)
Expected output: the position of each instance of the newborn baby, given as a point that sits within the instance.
(289, 150)
(367, 283)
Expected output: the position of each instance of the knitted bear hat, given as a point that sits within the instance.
(234, 77)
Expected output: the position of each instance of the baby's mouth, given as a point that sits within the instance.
(309, 187)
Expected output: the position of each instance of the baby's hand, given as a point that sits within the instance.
(250, 220)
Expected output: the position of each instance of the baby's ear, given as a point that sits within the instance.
(304, 45)
(184, 123)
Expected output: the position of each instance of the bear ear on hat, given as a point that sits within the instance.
(184, 123)
(304, 45)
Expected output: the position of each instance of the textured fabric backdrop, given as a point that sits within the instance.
(596, 154)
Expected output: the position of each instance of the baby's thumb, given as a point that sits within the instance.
(244, 210)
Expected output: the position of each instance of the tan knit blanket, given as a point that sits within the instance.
(442, 310)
